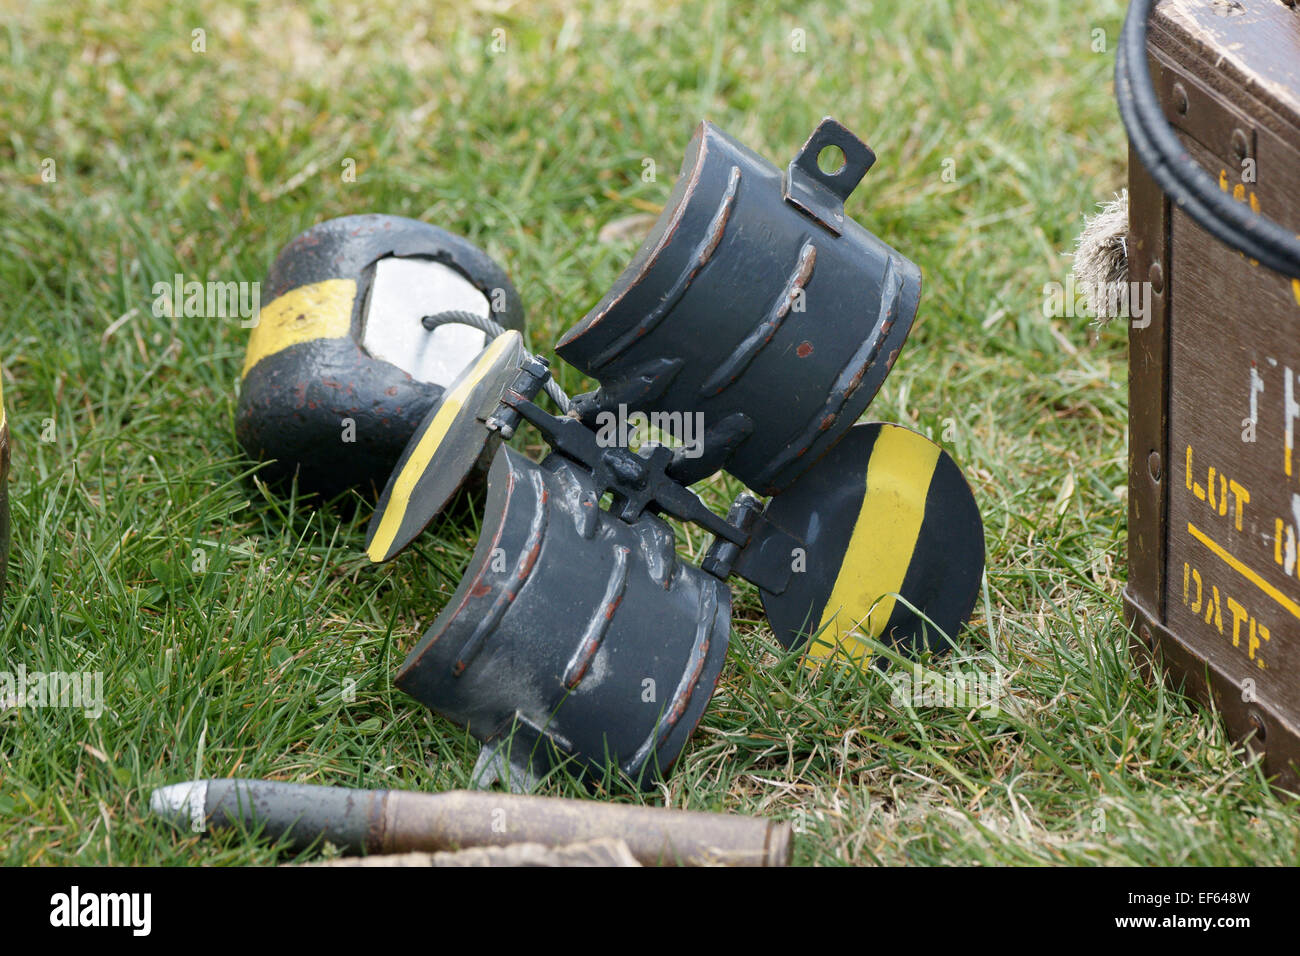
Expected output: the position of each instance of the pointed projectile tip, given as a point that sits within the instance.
(180, 802)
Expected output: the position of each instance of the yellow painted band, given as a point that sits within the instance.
(418, 463)
(1246, 572)
(322, 310)
(880, 548)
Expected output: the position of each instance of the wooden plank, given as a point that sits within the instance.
(1253, 44)
(1148, 393)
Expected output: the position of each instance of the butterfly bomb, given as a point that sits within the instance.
(760, 314)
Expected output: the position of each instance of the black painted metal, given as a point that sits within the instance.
(533, 374)
(819, 193)
(638, 482)
(291, 403)
(763, 558)
(755, 303)
(574, 635)
(465, 449)
(821, 512)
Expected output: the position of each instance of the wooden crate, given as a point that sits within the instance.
(1214, 428)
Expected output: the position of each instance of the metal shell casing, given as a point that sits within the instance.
(756, 304)
(573, 634)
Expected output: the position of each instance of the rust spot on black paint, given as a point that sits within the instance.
(804, 350)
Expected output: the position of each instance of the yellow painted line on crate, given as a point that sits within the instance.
(1240, 567)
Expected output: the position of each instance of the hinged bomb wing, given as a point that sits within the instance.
(891, 547)
(575, 637)
(755, 304)
(443, 451)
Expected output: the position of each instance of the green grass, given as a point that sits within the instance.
(205, 164)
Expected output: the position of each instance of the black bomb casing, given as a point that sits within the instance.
(339, 370)
(574, 636)
(756, 303)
